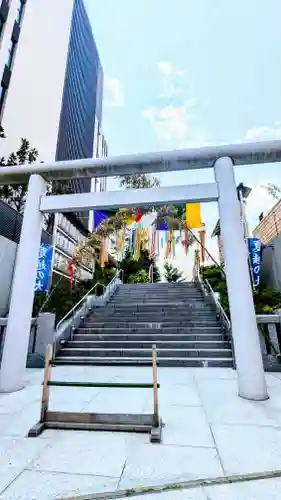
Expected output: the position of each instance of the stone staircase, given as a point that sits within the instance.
(175, 317)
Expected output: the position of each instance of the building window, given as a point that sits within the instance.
(3, 91)
(20, 11)
(2, 24)
(12, 51)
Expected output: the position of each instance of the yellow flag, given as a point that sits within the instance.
(193, 216)
(129, 221)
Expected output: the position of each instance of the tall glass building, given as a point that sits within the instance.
(81, 112)
(52, 82)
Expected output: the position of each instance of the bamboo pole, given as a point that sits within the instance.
(47, 376)
(155, 387)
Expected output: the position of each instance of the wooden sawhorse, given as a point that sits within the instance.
(122, 422)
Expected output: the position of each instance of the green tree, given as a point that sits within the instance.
(139, 181)
(273, 190)
(266, 300)
(172, 274)
(132, 267)
(15, 195)
(140, 277)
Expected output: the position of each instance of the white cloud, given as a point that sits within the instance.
(264, 133)
(165, 68)
(173, 125)
(113, 92)
(174, 121)
(179, 72)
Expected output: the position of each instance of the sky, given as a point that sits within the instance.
(188, 74)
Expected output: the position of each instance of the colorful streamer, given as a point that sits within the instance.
(202, 235)
(193, 216)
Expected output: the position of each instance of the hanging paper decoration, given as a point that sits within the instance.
(157, 243)
(162, 225)
(202, 235)
(193, 216)
(130, 221)
(102, 215)
(138, 217)
(99, 217)
(168, 245)
(185, 241)
(197, 258)
(135, 218)
(105, 249)
(149, 240)
(173, 244)
(102, 255)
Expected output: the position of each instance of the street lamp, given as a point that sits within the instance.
(243, 193)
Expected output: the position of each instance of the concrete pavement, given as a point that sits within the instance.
(209, 432)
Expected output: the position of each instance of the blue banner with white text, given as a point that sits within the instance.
(255, 259)
(43, 268)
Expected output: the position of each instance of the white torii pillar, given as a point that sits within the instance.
(13, 366)
(249, 364)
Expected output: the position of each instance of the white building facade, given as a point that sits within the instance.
(52, 94)
(51, 82)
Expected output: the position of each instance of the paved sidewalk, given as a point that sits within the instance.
(209, 432)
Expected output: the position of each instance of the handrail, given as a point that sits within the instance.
(222, 311)
(204, 283)
(76, 306)
(71, 311)
(119, 271)
(150, 272)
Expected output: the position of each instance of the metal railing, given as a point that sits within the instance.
(219, 309)
(68, 324)
(150, 273)
(32, 338)
(210, 295)
(71, 313)
(269, 326)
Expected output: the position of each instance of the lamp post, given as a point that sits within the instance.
(243, 192)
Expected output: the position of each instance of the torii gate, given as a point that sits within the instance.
(251, 379)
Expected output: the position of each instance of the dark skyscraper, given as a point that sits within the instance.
(81, 111)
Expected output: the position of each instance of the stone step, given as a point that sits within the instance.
(186, 312)
(152, 337)
(125, 361)
(152, 319)
(144, 344)
(156, 299)
(168, 308)
(155, 315)
(161, 289)
(150, 325)
(133, 303)
(135, 353)
(153, 324)
(161, 295)
(169, 286)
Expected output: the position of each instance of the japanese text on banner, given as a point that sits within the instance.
(43, 268)
(255, 258)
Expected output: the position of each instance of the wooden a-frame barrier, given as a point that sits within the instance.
(122, 422)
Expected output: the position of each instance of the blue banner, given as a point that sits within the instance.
(255, 258)
(43, 268)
